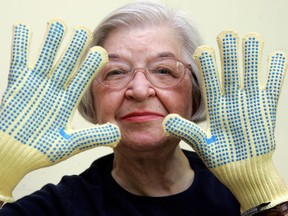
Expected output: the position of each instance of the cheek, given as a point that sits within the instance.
(106, 103)
(179, 100)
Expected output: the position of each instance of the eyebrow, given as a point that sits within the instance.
(165, 54)
(159, 55)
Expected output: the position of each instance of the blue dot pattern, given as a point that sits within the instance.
(241, 116)
(40, 100)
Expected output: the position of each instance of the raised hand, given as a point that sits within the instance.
(239, 142)
(40, 101)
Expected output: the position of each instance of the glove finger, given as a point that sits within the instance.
(101, 135)
(277, 66)
(228, 42)
(78, 84)
(19, 53)
(185, 130)
(68, 62)
(252, 48)
(205, 58)
(18, 72)
(55, 33)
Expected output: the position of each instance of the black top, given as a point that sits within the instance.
(96, 193)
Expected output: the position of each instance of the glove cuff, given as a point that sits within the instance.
(254, 182)
(16, 161)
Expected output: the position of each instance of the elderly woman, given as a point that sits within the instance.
(150, 74)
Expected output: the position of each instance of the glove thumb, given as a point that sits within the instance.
(186, 130)
(101, 135)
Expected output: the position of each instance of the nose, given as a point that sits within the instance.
(140, 87)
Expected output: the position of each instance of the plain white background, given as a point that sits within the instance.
(268, 18)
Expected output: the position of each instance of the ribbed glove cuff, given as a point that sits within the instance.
(254, 182)
(16, 160)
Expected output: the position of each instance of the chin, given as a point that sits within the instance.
(145, 143)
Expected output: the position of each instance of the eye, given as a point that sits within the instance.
(164, 71)
(116, 73)
(164, 68)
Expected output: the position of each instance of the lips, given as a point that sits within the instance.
(142, 116)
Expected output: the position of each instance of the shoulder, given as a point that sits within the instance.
(99, 167)
(202, 174)
(60, 199)
(194, 159)
(206, 184)
(191, 155)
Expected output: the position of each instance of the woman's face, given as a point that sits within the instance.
(139, 108)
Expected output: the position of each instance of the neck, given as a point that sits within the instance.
(157, 173)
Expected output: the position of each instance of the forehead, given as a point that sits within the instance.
(139, 42)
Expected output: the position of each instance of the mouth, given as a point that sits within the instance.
(138, 117)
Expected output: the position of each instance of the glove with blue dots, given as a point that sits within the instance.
(241, 112)
(40, 101)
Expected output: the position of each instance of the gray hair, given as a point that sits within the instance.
(150, 14)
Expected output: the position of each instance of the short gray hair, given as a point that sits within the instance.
(150, 14)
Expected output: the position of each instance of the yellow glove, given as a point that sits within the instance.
(40, 101)
(239, 142)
